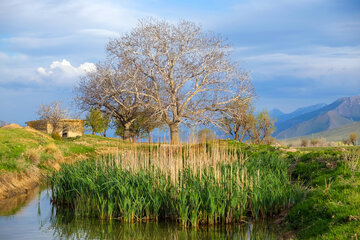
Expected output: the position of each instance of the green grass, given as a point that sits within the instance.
(331, 208)
(14, 143)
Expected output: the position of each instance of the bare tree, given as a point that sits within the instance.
(304, 142)
(261, 127)
(53, 113)
(237, 118)
(353, 137)
(314, 142)
(109, 90)
(178, 70)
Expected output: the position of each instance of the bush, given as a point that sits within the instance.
(51, 148)
(56, 136)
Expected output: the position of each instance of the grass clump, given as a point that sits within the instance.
(33, 155)
(192, 186)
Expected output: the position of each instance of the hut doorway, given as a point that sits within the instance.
(65, 132)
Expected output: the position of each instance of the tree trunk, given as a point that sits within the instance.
(149, 136)
(174, 133)
(237, 136)
(127, 136)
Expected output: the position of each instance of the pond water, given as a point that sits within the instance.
(32, 216)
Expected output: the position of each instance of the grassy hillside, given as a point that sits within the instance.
(22, 148)
(335, 135)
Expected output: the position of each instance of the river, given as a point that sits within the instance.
(32, 216)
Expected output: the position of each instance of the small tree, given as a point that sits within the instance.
(95, 121)
(106, 123)
(237, 119)
(314, 142)
(143, 125)
(261, 127)
(149, 123)
(304, 142)
(53, 113)
(131, 134)
(353, 137)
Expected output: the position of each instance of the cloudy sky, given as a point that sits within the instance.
(299, 52)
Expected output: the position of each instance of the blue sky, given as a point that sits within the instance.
(299, 52)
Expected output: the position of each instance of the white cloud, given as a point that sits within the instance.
(63, 73)
(97, 32)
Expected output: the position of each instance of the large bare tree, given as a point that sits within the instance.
(177, 70)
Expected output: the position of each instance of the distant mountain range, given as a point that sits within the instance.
(281, 117)
(2, 123)
(317, 118)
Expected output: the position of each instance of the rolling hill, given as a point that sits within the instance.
(335, 135)
(342, 112)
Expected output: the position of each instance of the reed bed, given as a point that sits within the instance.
(191, 184)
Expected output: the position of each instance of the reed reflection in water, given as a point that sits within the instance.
(36, 218)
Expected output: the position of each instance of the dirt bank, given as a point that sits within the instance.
(14, 183)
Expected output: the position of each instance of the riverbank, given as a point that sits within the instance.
(330, 208)
(28, 156)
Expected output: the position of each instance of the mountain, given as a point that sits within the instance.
(276, 113)
(2, 123)
(337, 114)
(300, 111)
(336, 134)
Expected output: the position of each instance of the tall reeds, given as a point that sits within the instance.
(192, 184)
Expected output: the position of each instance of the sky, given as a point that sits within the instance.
(298, 52)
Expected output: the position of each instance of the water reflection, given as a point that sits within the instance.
(40, 220)
(13, 205)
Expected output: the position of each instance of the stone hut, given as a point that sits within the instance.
(67, 127)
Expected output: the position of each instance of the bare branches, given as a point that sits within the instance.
(178, 70)
(53, 113)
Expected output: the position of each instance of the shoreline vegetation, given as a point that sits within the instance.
(214, 183)
(312, 193)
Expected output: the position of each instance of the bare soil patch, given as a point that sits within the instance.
(12, 126)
